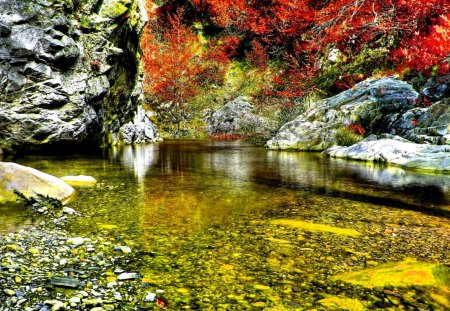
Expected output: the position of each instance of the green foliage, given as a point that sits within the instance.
(346, 137)
(39, 199)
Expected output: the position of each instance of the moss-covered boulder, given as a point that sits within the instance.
(30, 181)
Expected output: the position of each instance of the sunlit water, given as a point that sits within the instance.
(202, 218)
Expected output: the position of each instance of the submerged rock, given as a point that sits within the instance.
(80, 180)
(373, 104)
(401, 274)
(30, 181)
(309, 226)
(396, 151)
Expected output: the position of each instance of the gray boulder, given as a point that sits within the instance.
(375, 104)
(70, 72)
(238, 117)
(396, 151)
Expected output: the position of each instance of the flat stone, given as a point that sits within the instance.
(80, 180)
(65, 282)
(127, 276)
(76, 241)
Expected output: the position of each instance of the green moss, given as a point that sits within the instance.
(310, 226)
(115, 9)
(342, 303)
(345, 137)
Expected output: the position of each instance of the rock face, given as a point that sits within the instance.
(237, 117)
(30, 181)
(69, 71)
(397, 151)
(374, 104)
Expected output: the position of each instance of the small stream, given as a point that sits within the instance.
(230, 226)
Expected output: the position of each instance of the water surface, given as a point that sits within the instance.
(208, 222)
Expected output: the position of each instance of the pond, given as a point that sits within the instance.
(231, 226)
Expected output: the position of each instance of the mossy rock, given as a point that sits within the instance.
(114, 9)
(314, 227)
(400, 274)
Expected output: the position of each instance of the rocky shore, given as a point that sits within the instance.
(380, 119)
(45, 268)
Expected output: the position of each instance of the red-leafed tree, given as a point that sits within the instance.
(176, 65)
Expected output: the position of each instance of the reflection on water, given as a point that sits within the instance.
(213, 212)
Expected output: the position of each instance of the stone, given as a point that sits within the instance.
(65, 282)
(238, 117)
(5, 31)
(397, 151)
(30, 181)
(314, 227)
(127, 276)
(9, 292)
(139, 130)
(399, 274)
(373, 104)
(76, 241)
(150, 297)
(62, 82)
(79, 180)
(124, 249)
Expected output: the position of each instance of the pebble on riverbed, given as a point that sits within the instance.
(36, 261)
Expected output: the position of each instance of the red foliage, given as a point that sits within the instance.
(414, 34)
(225, 136)
(357, 129)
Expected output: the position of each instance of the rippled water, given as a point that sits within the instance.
(221, 225)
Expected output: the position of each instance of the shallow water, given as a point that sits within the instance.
(225, 225)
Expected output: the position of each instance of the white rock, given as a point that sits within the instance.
(77, 241)
(127, 276)
(398, 152)
(150, 297)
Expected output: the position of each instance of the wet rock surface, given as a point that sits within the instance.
(396, 151)
(69, 71)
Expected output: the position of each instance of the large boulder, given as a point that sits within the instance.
(238, 117)
(70, 71)
(374, 104)
(30, 181)
(396, 151)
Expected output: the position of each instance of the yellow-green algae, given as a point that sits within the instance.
(310, 226)
(399, 274)
(342, 303)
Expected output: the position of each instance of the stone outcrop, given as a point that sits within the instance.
(238, 117)
(396, 151)
(70, 72)
(30, 181)
(375, 104)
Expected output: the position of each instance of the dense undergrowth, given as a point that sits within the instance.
(199, 54)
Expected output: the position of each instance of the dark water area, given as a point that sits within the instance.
(231, 226)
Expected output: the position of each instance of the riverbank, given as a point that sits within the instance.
(46, 268)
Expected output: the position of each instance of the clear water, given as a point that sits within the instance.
(201, 217)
